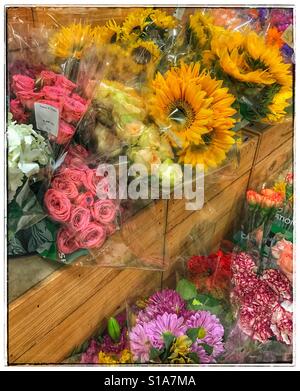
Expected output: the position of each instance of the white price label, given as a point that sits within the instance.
(47, 118)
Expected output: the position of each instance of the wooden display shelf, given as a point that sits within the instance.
(60, 312)
(271, 137)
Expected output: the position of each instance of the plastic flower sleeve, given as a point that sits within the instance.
(261, 96)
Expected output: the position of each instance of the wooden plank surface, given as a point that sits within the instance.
(267, 170)
(215, 182)
(271, 137)
(60, 315)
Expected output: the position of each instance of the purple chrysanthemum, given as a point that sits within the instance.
(212, 331)
(140, 344)
(166, 323)
(90, 356)
(167, 301)
(109, 346)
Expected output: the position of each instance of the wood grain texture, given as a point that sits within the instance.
(271, 137)
(268, 169)
(60, 317)
(217, 181)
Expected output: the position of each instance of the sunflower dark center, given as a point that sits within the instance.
(182, 112)
(113, 38)
(141, 55)
(207, 138)
(136, 29)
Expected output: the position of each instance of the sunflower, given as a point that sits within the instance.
(196, 112)
(109, 33)
(70, 41)
(162, 20)
(247, 59)
(117, 63)
(135, 24)
(144, 52)
(201, 27)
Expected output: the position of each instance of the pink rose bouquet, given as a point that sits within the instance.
(50, 89)
(73, 200)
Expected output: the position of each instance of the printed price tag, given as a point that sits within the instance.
(47, 118)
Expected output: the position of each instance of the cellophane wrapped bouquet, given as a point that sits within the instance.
(153, 91)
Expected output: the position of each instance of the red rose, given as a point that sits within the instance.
(65, 133)
(66, 241)
(73, 110)
(22, 83)
(66, 84)
(92, 180)
(76, 176)
(80, 218)
(94, 235)
(18, 112)
(66, 187)
(48, 78)
(85, 199)
(104, 211)
(58, 205)
(54, 93)
(28, 98)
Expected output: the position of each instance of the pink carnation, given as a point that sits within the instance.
(282, 322)
(255, 322)
(243, 263)
(278, 282)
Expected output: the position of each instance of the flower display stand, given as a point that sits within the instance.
(62, 310)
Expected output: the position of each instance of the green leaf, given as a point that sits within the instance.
(168, 340)
(155, 353)
(193, 333)
(194, 356)
(186, 289)
(208, 349)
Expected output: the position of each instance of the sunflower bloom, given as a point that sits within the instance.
(135, 24)
(162, 20)
(110, 33)
(196, 113)
(70, 41)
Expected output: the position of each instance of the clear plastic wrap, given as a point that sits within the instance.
(253, 70)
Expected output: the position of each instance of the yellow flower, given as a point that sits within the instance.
(201, 25)
(144, 52)
(248, 59)
(135, 23)
(162, 20)
(117, 64)
(70, 41)
(179, 351)
(104, 358)
(280, 187)
(126, 357)
(196, 113)
(109, 33)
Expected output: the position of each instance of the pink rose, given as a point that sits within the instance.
(48, 78)
(78, 151)
(54, 93)
(289, 179)
(66, 241)
(76, 176)
(22, 83)
(110, 229)
(73, 110)
(92, 180)
(79, 99)
(64, 83)
(64, 186)
(65, 133)
(85, 199)
(94, 235)
(18, 112)
(104, 211)
(80, 218)
(28, 98)
(58, 205)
